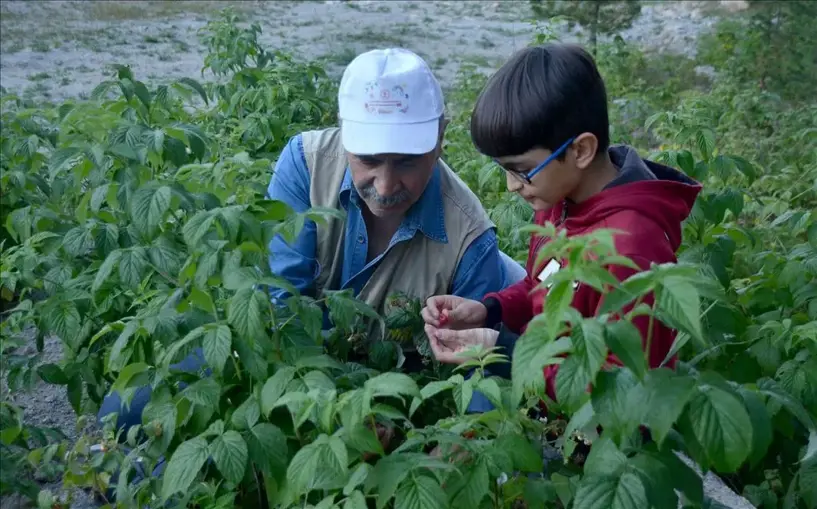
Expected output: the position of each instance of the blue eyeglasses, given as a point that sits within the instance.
(526, 177)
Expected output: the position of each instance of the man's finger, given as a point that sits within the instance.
(450, 336)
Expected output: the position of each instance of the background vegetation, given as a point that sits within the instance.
(136, 227)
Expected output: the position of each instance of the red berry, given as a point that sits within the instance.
(443, 319)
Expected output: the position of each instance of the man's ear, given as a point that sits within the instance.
(584, 148)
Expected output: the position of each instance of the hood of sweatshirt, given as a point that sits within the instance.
(646, 188)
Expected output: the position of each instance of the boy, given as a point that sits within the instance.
(543, 118)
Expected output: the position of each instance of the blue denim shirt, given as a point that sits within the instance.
(481, 269)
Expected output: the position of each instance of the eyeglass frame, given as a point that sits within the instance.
(526, 177)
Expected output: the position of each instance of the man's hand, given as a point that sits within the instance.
(452, 312)
(450, 346)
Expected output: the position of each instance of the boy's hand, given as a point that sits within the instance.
(452, 312)
(450, 346)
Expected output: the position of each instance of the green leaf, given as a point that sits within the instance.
(206, 392)
(582, 365)
(105, 270)
(247, 313)
(811, 234)
(74, 391)
(356, 500)
(321, 465)
(624, 340)
(268, 449)
(127, 374)
(605, 459)
(463, 393)
(197, 227)
(183, 466)
(679, 304)
(78, 241)
(630, 289)
(720, 424)
(557, 302)
(52, 374)
(762, 432)
(196, 86)
(63, 320)
(247, 414)
(344, 308)
(608, 492)
(419, 492)
(229, 452)
(667, 393)
(392, 384)
(468, 489)
(275, 387)
(618, 402)
(132, 267)
(148, 207)
(526, 456)
(532, 352)
(216, 346)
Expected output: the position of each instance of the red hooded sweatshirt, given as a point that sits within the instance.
(648, 201)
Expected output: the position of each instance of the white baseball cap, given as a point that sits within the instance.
(389, 103)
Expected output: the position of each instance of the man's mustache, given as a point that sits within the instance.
(371, 194)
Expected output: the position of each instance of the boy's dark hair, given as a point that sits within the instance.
(541, 97)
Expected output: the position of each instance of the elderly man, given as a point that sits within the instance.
(411, 225)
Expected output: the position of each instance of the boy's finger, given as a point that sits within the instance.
(428, 318)
(433, 304)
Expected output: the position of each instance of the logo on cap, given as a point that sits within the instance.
(385, 101)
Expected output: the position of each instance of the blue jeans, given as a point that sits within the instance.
(132, 415)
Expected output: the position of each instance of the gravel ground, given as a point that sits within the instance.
(61, 49)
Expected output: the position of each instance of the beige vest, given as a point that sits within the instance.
(420, 267)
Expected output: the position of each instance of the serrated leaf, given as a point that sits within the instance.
(618, 402)
(667, 393)
(608, 492)
(679, 304)
(78, 241)
(148, 207)
(247, 312)
(356, 500)
(132, 267)
(321, 465)
(624, 340)
(52, 374)
(532, 352)
(184, 466)
(419, 492)
(720, 424)
(275, 387)
(581, 366)
(205, 392)
(268, 449)
(762, 432)
(105, 270)
(197, 227)
(247, 414)
(216, 346)
(392, 384)
(229, 452)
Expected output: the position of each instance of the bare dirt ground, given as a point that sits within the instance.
(57, 50)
